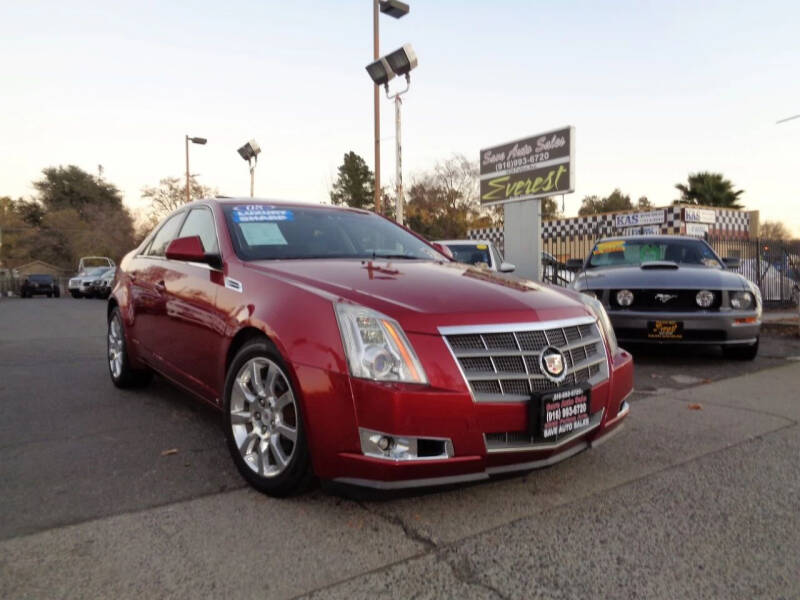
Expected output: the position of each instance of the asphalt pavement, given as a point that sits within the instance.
(132, 493)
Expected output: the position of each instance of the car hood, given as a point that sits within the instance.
(684, 277)
(423, 295)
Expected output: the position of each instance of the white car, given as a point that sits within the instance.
(90, 268)
(477, 252)
(775, 285)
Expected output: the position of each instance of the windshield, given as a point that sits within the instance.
(633, 252)
(472, 254)
(268, 232)
(41, 278)
(95, 271)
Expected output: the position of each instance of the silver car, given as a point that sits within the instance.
(672, 289)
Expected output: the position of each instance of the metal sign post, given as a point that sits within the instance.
(518, 175)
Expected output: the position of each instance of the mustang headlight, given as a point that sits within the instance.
(704, 298)
(599, 311)
(742, 300)
(376, 346)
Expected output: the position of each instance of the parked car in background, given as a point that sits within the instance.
(101, 287)
(40, 285)
(673, 289)
(90, 268)
(776, 284)
(339, 344)
(477, 252)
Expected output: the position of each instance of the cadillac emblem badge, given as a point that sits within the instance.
(553, 364)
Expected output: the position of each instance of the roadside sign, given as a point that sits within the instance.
(652, 217)
(533, 167)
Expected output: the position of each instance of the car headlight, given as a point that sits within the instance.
(376, 346)
(624, 297)
(704, 298)
(599, 311)
(742, 300)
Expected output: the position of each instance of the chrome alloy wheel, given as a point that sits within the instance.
(264, 417)
(116, 348)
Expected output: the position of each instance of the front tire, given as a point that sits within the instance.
(123, 375)
(741, 352)
(75, 295)
(263, 422)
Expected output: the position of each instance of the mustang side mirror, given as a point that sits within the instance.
(574, 264)
(443, 249)
(731, 263)
(191, 249)
(507, 267)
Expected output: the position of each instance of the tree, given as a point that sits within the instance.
(774, 230)
(709, 189)
(550, 209)
(72, 187)
(444, 202)
(355, 184)
(18, 237)
(170, 194)
(615, 201)
(643, 203)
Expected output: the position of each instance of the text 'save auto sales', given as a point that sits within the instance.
(534, 167)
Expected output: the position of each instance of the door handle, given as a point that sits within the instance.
(161, 286)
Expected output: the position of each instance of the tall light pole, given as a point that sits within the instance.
(250, 152)
(399, 62)
(194, 140)
(395, 9)
(788, 119)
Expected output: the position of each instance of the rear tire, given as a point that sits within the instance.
(75, 295)
(123, 375)
(741, 352)
(263, 422)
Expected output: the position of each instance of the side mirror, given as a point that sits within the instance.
(574, 264)
(443, 249)
(731, 263)
(507, 267)
(191, 249)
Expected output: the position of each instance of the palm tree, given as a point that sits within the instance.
(709, 189)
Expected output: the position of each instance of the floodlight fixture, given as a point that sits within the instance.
(402, 60)
(198, 140)
(394, 8)
(380, 71)
(250, 151)
(194, 140)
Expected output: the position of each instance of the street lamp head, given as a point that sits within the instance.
(380, 71)
(402, 60)
(250, 150)
(198, 140)
(394, 8)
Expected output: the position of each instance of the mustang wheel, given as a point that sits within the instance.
(741, 352)
(122, 374)
(263, 422)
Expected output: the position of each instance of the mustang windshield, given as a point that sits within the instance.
(634, 252)
(270, 232)
(473, 254)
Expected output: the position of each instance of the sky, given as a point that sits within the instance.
(655, 90)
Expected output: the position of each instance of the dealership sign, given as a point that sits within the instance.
(644, 230)
(653, 217)
(696, 229)
(699, 215)
(533, 167)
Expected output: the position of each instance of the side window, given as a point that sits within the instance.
(496, 257)
(165, 235)
(200, 222)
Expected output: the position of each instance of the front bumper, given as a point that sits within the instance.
(719, 328)
(428, 413)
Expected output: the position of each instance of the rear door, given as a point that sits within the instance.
(148, 274)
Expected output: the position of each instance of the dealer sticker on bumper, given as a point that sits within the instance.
(561, 412)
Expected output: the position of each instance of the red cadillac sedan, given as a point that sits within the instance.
(339, 344)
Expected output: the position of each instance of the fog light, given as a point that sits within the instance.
(704, 298)
(384, 443)
(624, 297)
